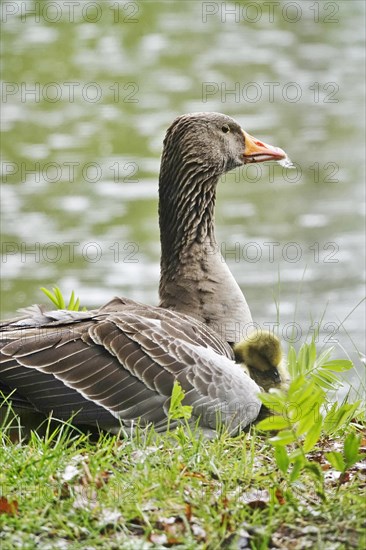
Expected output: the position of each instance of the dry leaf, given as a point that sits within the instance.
(102, 479)
(8, 507)
(195, 474)
(188, 511)
(279, 496)
(343, 478)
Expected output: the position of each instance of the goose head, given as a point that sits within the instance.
(261, 357)
(212, 143)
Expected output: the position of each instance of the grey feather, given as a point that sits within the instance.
(126, 364)
(119, 363)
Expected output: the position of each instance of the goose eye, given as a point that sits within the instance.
(225, 129)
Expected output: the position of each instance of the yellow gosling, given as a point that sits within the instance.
(260, 355)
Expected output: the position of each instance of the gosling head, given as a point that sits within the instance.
(260, 354)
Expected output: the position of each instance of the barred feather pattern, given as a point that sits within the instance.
(117, 365)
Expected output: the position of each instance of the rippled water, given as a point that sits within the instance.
(86, 100)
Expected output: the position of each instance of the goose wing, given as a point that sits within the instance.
(120, 363)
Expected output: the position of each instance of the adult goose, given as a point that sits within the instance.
(119, 363)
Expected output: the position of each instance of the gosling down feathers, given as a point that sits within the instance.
(118, 364)
(260, 356)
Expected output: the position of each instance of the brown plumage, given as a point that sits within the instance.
(119, 363)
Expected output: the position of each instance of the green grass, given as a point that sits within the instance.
(65, 490)
(294, 481)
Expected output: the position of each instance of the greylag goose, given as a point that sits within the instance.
(194, 278)
(118, 364)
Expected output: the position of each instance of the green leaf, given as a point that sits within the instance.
(302, 393)
(322, 382)
(302, 359)
(73, 304)
(296, 469)
(338, 365)
(58, 300)
(312, 437)
(177, 396)
(293, 412)
(176, 409)
(50, 296)
(282, 458)
(59, 297)
(71, 301)
(310, 396)
(328, 375)
(283, 438)
(296, 384)
(292, 363)
(323, 357)
(305, 424)
(273, 423)
(351, 447)
(311, 355)
(314, 468)
(336, 460)
(296, 454)
(274, 401)
(332, 418)
(340, 416)
(308, 401)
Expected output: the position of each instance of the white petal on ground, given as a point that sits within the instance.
(108, 516)
(70, 472)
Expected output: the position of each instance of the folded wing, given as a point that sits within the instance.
(119, 364)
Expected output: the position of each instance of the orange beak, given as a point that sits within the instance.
(257, 151)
